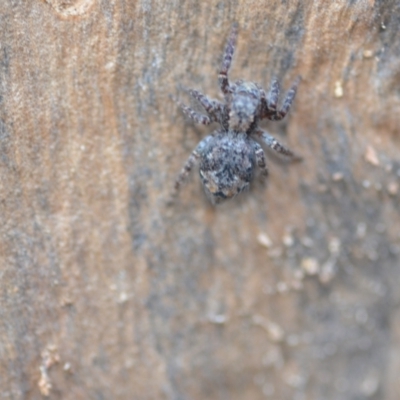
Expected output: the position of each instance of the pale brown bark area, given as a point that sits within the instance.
(108, 293)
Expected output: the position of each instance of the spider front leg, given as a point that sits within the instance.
(273, 144)
(271, 100)
(227, 60)
(287, 102)
(192, 114)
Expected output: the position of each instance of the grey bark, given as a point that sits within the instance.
(290, 291)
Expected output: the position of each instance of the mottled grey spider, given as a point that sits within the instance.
(228, 156)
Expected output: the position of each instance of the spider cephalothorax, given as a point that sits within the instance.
(227, 158)
(244, 103)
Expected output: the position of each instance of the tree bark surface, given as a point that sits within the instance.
(107, 291)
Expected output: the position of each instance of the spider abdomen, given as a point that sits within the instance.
(227, 165)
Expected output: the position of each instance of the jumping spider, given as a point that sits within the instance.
(228, 156)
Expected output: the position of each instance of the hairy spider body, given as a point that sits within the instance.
(227, 158)
(227, 164)
(245, 104)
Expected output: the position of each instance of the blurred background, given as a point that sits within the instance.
(290, 291)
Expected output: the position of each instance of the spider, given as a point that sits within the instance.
(227, 157)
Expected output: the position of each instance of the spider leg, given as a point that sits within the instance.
(227, 60)
(269, 101)
(185, 171)
(212, 107)
(273, 95)
(260, 159)
(190, 163)
(273, 144)
(195, 116)
(278, 115)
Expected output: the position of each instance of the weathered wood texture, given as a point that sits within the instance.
(289, 292)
